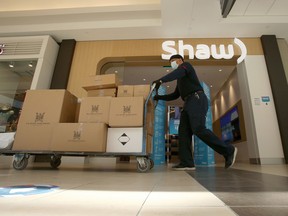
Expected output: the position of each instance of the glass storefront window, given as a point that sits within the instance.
(141, 73)
(15, 78)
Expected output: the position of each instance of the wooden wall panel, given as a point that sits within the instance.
(90, 56)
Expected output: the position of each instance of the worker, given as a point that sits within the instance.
(193, 115)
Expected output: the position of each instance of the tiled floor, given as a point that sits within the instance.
(118, 189)
(245, 192)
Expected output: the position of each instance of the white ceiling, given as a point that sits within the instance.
(145, 19)
(81, 20)
(142, 19)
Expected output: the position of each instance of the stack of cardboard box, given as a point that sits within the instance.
(42, 110)
(51, 120)
(126, 132)
(101, 85)
(124, 115)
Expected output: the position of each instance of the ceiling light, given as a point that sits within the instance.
(11, 65)
(144, 79)
(30, 64)
(220, 70)
(116, 71)
(211, 86)
(167, 70)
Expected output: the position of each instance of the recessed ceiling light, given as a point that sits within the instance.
(211, 85)
(167, 70)
(116, 71)
(144, 79)
(30, 64)
(220, 70)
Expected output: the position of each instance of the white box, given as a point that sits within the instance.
(6, 140)
(125, 140)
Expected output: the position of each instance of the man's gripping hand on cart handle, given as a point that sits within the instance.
(157, 97)
(157, 83)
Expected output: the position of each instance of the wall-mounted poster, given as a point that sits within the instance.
(174, 119)
(230, 126)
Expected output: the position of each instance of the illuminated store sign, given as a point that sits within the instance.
(204, 51)
(2, 48)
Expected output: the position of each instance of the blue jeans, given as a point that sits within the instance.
(192, 121)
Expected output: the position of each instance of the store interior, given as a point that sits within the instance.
(220, 76)
(15, 78)
(145, 72)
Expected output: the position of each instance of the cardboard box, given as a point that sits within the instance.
(101, 81)
(126, 112)
(149, 144)
(79, 137)
(125, 91)
(77, 110)
(128, 140)
(150, 117)
(149, 124)
(48, 106)
(33, 137)
(94, 109)
(111, 92)
(41, 110)
(141, 90)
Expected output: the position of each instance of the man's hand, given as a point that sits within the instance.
(157, 97)
(157, 83)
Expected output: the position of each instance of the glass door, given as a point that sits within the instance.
(15, 78)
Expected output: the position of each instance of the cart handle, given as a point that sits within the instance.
(153, 87)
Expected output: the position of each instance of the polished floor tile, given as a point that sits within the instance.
(109, 188)
(186, 211)
(261, 211)
(246, 191)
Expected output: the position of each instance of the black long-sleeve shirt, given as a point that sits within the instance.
(187, 82)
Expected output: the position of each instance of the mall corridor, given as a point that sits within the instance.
(98, 87)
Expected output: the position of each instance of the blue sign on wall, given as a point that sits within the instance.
(174, 119)
(265, 99)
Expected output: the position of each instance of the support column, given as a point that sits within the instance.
(279, 86)
(63, 64)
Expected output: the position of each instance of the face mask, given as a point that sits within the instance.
(174, 65)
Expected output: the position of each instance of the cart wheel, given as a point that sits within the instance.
(55, 162)
(151, 163)
(143, 165)
(20, 164)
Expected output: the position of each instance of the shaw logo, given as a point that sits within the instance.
(203, 51)
(2, 48)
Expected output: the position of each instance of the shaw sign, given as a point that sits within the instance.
(203, 51)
